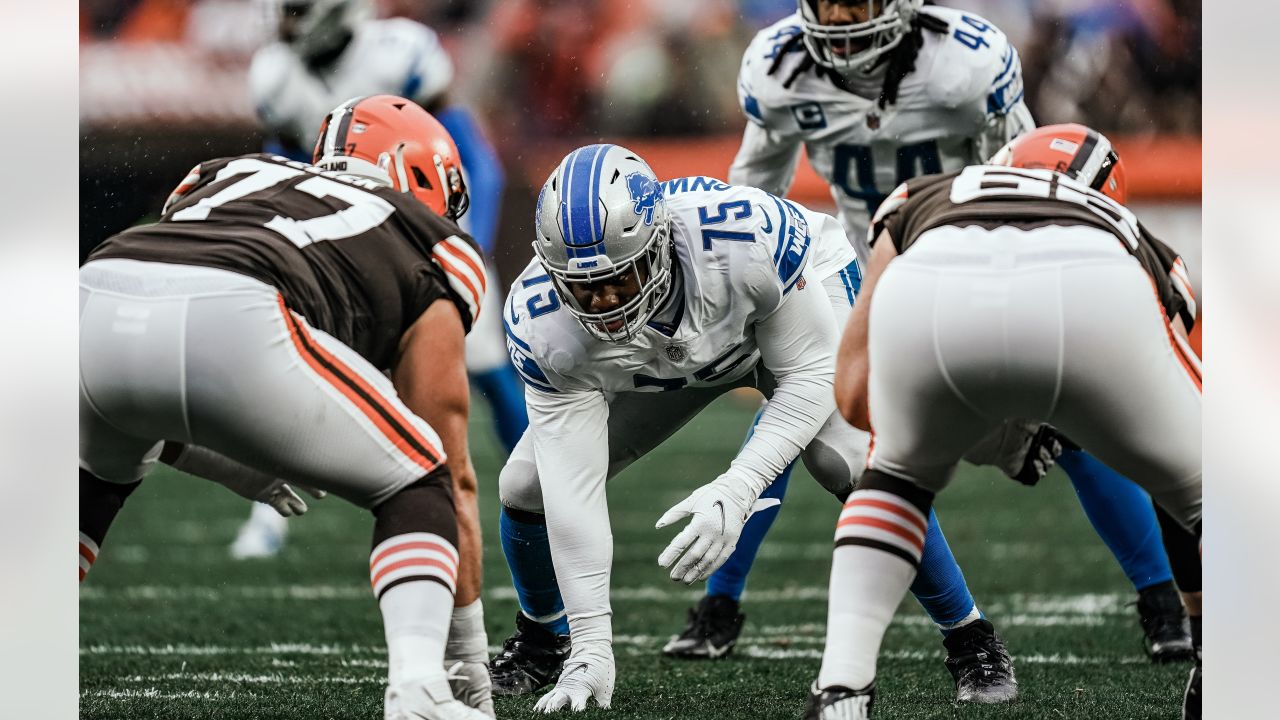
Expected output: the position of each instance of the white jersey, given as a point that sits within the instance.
(959, 105)
(395, 56)
(739, 253)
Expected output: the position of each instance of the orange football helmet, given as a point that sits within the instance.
(393, 140)
(1072, 149)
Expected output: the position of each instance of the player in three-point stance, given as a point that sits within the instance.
(323, 53)
(646, 301)
(243, 336)
(878, 93)
(960, 263)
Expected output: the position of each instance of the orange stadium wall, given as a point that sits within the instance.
(1158, 167)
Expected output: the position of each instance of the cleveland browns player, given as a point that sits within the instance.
(244, 336)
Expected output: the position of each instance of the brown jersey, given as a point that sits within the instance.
(357, 259)
(995, 196)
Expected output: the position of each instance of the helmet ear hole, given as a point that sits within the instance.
(421, 178)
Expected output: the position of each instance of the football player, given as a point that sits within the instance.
(877, 93)
(325, 52)
(1087, 156)
(244, 336)
(645, 302)
(961, 263)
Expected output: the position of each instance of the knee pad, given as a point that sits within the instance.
(837, 456)
(518, 486)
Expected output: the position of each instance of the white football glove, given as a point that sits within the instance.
(719, 510)
(588, 673)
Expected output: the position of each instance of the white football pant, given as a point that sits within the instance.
(971, 327)
(214, 358)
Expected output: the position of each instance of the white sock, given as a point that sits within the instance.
(878, 537)
(467, 638)
(415, 616)
(973, 616)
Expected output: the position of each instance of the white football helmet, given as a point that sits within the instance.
(601, 215)
(854, 46)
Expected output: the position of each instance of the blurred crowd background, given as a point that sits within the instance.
(163, 82)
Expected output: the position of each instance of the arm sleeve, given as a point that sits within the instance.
(1007, 112)
(571, 449)
(766, 160)
(485, 178)
(1003, 127)
(798, 345)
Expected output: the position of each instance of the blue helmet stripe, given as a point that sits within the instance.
(580, 195)
(564, 194)
(597, 232)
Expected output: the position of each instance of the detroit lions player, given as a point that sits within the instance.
(326, 52)
(646, 302)
(877, 93)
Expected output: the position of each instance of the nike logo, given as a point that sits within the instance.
(719, 505)
(768, 221)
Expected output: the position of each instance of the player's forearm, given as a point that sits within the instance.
(470, 544)
(851, 367)
(571, 441)
(431, 378)
(797, 344)
(764, 161)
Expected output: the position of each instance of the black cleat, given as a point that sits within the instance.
(840, 703)
(712, 630)
(530, 660)
(980, 664)
(1191, 697)
(1164, 623)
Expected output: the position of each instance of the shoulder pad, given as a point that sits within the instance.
(766, 239)
(974, 63)
(773, 48)
(541, 349)
(463, 265)
(422, 68)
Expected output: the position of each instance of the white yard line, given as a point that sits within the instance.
(1082, 604)
(777, 642)
(155, 694)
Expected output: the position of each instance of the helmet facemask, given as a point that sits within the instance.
(856, 46)
(651, 269)
(604, 238)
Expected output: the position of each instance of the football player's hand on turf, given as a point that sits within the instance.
(471, 685)
(588, 673)
(718, 510)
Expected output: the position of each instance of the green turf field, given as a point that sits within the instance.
(170, 627)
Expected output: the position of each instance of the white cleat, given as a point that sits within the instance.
(428, 698)
(261, 536)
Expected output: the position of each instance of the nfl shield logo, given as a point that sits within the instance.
(676, 353)
(873, 120)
